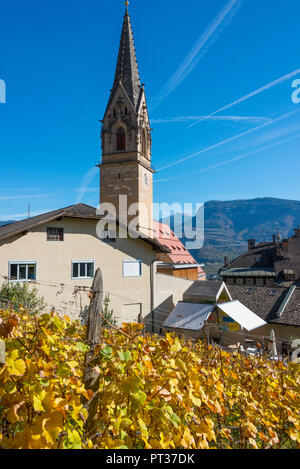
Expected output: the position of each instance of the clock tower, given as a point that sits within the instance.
(126, 169)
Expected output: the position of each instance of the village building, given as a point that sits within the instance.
(209, 312)
(59, 252)
(266, 263)
(178, 261)
(266, 279)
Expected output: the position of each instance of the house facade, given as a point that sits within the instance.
(59, 252)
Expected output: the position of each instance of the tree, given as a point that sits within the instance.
(20, 294)
(108, 313)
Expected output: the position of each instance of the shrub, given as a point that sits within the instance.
(22, 295)
(108, 313)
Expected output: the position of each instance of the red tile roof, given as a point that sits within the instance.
(179, 254)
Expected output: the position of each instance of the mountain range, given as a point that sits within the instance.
(228, 225)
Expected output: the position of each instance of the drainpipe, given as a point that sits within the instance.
(152, 292)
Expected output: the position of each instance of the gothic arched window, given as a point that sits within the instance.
(121, 139)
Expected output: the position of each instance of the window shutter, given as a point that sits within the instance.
(132, 269)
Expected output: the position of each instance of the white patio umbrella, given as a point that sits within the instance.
(273, 345)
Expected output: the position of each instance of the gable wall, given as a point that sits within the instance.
(81, 243)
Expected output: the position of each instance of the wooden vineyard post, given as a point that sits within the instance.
(91, 375)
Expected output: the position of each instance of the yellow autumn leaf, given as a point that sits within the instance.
(253, 443)
(16, 367)
(52, 426)
(188, 441)
(37, 404)
(176, 347)
(195, 400)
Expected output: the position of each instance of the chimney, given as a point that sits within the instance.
(226, 261)
(285, 246)
(251, 244)
(297, 232)
(274, 238)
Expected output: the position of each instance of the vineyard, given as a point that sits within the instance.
(154, 392)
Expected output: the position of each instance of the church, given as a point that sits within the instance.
(58, 252)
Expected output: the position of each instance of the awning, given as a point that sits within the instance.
(242, 315)
(189, 316)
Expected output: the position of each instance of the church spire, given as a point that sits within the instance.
(127, 71)
(126, 169)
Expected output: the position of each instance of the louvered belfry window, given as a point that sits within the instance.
(121, 139)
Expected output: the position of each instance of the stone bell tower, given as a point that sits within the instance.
(126, 139)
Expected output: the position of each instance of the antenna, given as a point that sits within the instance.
(28, 210)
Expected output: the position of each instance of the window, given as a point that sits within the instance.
(132, 268)
(22, 271)
(55, 234)
(121, 139)
(82, 269)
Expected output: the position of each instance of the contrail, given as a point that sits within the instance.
(14, 197)
(250, 95)
(208, 37)
(167, 120)
(240, 157)
(25, 214)
(89, 176)
(231, 139)
(22, 189)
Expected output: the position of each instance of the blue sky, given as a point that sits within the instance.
(195, 57)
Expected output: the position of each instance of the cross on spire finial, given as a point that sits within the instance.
(126, 5)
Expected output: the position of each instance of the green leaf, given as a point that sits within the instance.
(63, 370)
(139, 399)
(58, 323)
(175, 420)
(125, 356)
(107, 352)
(81, 347)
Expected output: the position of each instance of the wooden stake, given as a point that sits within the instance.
(91, 376)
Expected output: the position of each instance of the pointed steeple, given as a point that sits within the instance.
(127, 68)
(126, 169)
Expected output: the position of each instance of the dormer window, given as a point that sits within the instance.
(121, 139)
